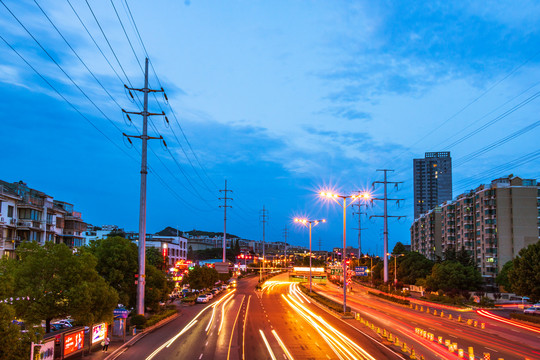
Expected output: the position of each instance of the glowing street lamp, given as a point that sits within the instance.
(333, 196)
(309, 224)
(395, 265)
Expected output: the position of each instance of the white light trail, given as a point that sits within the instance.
(283, 347)
(267, 345)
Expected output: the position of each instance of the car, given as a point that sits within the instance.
(210, 295)
(202, 299)
(66, 322)
(532, 310)
(233, 283)
(224, 286)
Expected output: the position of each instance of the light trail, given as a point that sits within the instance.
(244, 331)
(507, 321)
(283, 347)
(223, 313)
(267, 345)
(211, 319)
(234, 325)
(169, 342)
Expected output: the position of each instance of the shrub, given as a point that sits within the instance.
(154, 319)
(526, 317)
(138, 321)
(390, 298)
(329, 303)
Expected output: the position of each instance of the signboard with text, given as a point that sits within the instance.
(120, 313)
(361, 271)
(73, 342)
(99, 333)
(46, 351)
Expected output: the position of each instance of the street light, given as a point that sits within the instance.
(353, 198)
(395, 266)
(309, 223)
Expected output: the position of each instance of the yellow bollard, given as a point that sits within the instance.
(435, 312)
(396, 341)
(459, 318)
(482, 325)
(413, 354)
(390, 337)
(475, 324)
(447, 343)
(487, 356)
(384, 334)
(471, 353)
(378, 330)
(416, 307)
(421, 308)
(449, 316)
(469, 322)
(460, 353)
(427, 310)
(404, 347)
(442, 314)
(439, 339)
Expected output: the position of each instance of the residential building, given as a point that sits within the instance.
(175, 248)
(27, 214)
(432, 181)
(492, 223)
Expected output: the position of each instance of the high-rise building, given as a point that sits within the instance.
(432, 181)
(492, 223)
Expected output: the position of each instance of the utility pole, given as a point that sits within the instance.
(386, 216)
(225, 206)
(359, 213)
(263, 217)
(285, 236)
(144, 171)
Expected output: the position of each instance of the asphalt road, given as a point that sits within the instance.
(499, 340)
(276, 323)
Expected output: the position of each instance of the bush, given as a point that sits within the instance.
(154, 319)
(390, 298)
(526, 317)
(190, 298)
(331, 304)
(138, 321)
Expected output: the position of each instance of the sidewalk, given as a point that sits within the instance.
(118, 343)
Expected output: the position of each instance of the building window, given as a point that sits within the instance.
(10, 211)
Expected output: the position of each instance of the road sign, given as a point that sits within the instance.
(120, 313)
(361, 270)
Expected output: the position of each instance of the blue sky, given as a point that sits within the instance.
(280, 98)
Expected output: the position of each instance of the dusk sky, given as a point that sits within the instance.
(279, 98)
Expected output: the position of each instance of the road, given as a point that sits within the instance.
(499, 340)
(276, 323)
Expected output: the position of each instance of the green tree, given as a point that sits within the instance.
(118, 264)
(157, 288)
(201, 277)
(60, 282)
(237, 248)
(399, 248)
(155, 258)
(453, 276)
(525, 276)
(502, 279)
(413, 266)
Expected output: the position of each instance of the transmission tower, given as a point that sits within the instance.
(263, 217)
(359, 212)
(225, 206)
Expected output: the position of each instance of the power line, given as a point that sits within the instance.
(225, 206)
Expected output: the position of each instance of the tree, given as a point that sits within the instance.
(57, 282)
(157, 288)
(155, 258)
(502, 279)
(399, 248)
(525, 276)
(118, 264)
(237, 247)
(453, 276)
(413, 266)
(201, 277)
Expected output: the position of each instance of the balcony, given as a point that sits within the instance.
(30, 224)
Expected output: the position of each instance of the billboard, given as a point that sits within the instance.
(73, 342)
(99, 333)
(46, 351)
(361, 271)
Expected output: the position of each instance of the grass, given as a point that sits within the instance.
(329, 303)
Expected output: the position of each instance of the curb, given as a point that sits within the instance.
(140, 335)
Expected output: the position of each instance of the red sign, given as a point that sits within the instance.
(73, 342)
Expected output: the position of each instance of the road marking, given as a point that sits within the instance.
(244, 332)
(328, 357)
(455, 337)
(206, 344)
(267, 345)
(492, 349)
(200, 357)
(282, 346)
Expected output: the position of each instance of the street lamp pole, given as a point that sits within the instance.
(309, 224)
(343, 258)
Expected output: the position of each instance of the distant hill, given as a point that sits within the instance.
(170, 231)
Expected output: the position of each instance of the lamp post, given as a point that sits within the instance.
(309, 224)
(395, 266)
(353, 198)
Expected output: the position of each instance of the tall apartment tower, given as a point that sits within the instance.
(432, 181)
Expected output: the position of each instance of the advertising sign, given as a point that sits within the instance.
(99, 333)
(46, 351)
(120, 313)
(73, 342)
(361, 271)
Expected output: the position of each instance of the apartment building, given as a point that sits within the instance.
(432, 181)
(492, 223)
(27, 214)
(173, 247)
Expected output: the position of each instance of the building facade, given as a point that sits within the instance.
(492, 223)
(432, 181)
(27, 214)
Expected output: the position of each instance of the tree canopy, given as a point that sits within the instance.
(413, 266)
(525, 275)
(201, 277)
(453, 276)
